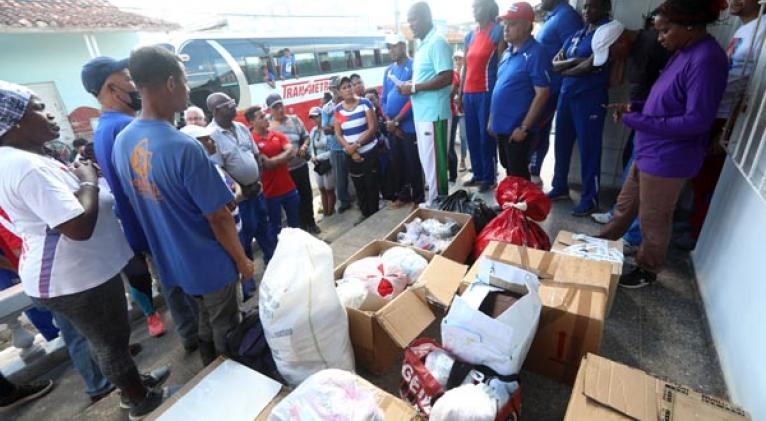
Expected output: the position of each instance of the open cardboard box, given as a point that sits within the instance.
(574, 293)
(380, 336)
(564, 239)
(606, 390)
(461, 246)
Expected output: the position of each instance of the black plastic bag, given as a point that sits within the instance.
(462, 202)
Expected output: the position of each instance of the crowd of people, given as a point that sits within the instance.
(146, 199)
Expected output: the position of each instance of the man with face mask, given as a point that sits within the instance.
(109, 81)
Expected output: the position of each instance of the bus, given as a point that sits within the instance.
(246, 67)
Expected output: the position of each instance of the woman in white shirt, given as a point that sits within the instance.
(74, 248)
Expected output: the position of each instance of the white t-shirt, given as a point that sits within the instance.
(37, 193)
(738, 50)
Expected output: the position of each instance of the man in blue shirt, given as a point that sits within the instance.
(430, 91)
(109, 81)
(338, 158)
(180, 199)
(397, 110)
(287, 67)
(521, 90)
(560, 24)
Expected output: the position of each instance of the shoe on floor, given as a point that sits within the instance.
(156, 327)
(558, 195)
(628, 249)
(135, 349)
(602, 218)
(344, 208)
(637, 278)
(471, 183)
(151, 380)
(485, 187)
(153, 400)
(24, 393)
(314, 229)
(584, 209)
(396, 204)
(97, 397)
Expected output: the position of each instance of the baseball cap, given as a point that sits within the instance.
(197, 131)
(393, 39)
(334, 82)
(95, 72)
(315, 111)
(605, 36)
(519, 11)
(273, 99)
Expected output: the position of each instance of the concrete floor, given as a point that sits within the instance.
(661, 329)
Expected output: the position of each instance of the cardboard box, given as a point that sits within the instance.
(564, 240)
(229, 376)
(379, 337)
(609, 391)
(461, 246)
(574, 293)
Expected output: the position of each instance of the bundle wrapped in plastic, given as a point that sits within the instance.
(431, 234)
(469, 402)
(384, 280)
(411, 263)
(329, 395)
(524, 203)
(352, 293)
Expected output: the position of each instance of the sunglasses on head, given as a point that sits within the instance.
(228, 104)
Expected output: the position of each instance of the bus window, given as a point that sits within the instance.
(367, 58)
(306, 64)
(252, 58)
(207, 72)
(333, 61)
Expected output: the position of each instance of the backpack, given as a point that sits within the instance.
(246, 344)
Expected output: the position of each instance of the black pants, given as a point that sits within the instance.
(364, 175)
(406, 168)
(302, 182)
(451, 154)
(514, 156)
(6, 388)
(101, 315)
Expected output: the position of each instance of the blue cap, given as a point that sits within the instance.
(95, 72)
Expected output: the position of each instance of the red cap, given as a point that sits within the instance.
(519, 11)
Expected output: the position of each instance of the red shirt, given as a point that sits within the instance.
(276, 181)
(9, 242)
(480, 59)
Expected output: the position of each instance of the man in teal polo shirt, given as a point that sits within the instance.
(430, 89)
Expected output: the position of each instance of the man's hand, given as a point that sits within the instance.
(518, 135)
(351, 149)
(246, 269)
(302, 151)
(459, 103)
(86, 171)
(618, 110)
(391, 126)
(405, 89)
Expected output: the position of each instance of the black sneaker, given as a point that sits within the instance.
(314, 229)
(471, 183)
(637, 278)
(152, 379)
(153, 400)
(24, 393)
(344, 208)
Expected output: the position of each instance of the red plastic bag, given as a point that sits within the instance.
(513, 225)
(516, 190)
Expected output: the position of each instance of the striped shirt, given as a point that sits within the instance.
(353, 123)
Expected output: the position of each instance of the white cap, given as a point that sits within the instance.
(605, 36)
(196, 131)
(393, 39)
(458, 53)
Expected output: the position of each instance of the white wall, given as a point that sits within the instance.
(731, 272)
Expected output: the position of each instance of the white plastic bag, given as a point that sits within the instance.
(385, 281)
(411, 263)
(329, 395)
(352, 293)
(303, 320)
(499, 343)
(469, 402)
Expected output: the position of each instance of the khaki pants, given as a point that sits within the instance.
(653, 199)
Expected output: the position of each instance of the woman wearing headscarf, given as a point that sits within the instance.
(74, 248)
(672, 131)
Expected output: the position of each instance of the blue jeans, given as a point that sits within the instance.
(482, 146)
(183, 310)
(82, 358)
(580, 117)
(290, 202)
(340, 165)
(255, 224)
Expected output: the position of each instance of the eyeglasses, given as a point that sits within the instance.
(228, 104)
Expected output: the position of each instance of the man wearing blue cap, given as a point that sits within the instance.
(109, 81)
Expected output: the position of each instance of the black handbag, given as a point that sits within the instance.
(321, 166)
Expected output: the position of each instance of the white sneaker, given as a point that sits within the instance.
(602, 218)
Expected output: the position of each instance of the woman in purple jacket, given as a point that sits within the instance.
(672, 131)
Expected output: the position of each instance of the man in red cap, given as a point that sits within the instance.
(521, 91)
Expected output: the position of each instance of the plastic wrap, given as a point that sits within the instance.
(385, 281)
(431, 234)
(329, 395)
(469, 402)
(352, 293)
(439, 364)
(411, 263)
